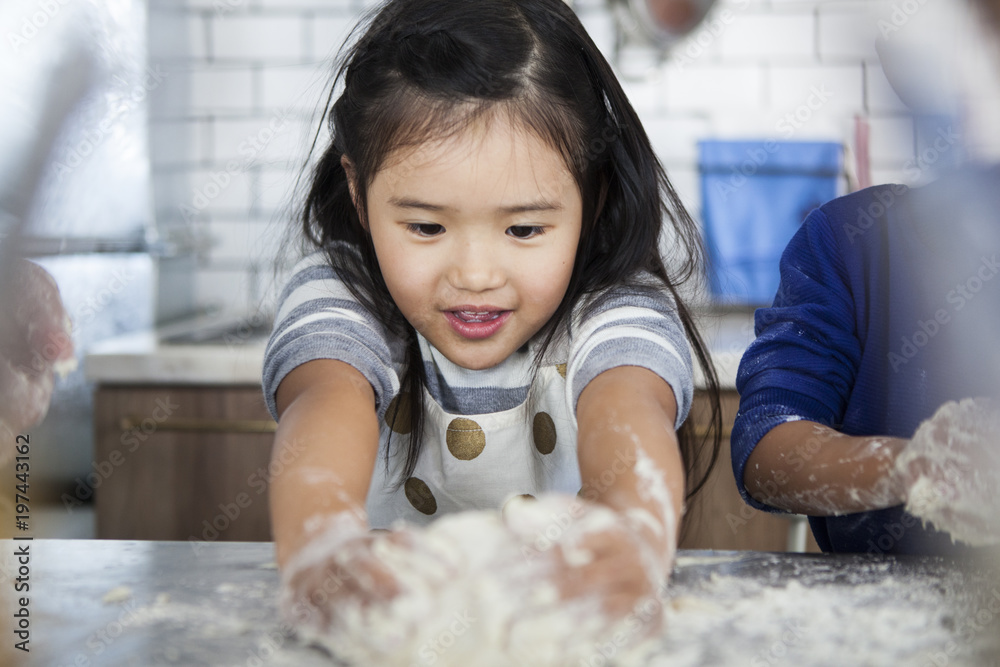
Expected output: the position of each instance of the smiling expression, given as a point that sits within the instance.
(476, 237)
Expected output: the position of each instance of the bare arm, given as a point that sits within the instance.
(807, 468)
(327, 443)
(621, 410)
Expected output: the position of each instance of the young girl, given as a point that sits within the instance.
(486, 314)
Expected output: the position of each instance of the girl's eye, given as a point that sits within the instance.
(525, 231)
(424, 228)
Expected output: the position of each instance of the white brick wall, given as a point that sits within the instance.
(238, 69)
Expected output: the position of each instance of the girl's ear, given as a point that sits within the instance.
(352, 185)
(351, 178)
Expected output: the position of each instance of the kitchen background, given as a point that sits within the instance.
(234, 88)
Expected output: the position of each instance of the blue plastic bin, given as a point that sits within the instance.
(755, 194)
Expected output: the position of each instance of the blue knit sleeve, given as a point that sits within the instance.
(804, 360)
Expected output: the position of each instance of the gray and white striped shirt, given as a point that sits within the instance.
(490, 434)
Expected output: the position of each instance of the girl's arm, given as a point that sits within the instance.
(808, 468)
(620, 411)
(326, 443)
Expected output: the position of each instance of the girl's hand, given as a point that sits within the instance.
(339, 569)
(951, 470)
(599, 555)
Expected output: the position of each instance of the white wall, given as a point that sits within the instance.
(236, 71)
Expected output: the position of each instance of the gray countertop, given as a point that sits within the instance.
(215, 604)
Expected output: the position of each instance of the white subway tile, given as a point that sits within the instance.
(830, 88)
(328, 35)
(675, 137)
(601, 27)
(220, 191)
(176, 142)
(260, 141)
(644, 94)
(707, 88)
(770, 124)
(342, 6)
(704, 43)
(244, 241)
(276, 189)
(222, 89)
(220, 288)
(176, 35)
(258, 37)
(687, 184)
(769, 36)
(170, 190)
(847, 31)
(884, 176)
(294, 86)
(171, 99)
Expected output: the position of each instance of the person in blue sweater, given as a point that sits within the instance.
(888, 307)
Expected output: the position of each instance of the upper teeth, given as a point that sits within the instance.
(479, 314)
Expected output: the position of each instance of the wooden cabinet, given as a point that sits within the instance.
(192, 462)
(181, 462)
(718, 518)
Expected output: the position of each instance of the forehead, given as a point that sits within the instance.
(486, 155)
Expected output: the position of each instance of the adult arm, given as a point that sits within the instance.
(796, 378)
(808, 468)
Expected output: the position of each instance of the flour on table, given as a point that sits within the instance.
(958, 489)
(474, 590)
(117, 594)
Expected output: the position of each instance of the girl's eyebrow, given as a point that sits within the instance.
(541, 205)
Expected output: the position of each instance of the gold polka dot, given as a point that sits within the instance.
(420, 496)
(543, 429)
(562, 369)
(399, 421)
(465, 439)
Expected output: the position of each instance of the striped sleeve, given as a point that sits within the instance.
(637, 325)
(318, 318)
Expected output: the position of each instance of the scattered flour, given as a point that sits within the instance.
(957, 454)
(117, 594)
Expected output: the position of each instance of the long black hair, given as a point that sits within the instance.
(425, 69)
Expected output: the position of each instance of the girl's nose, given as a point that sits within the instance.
(476, 267)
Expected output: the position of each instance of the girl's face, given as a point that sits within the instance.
(476, 237)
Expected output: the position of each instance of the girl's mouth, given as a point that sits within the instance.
(476, 324)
